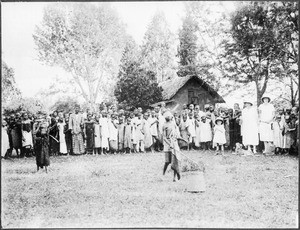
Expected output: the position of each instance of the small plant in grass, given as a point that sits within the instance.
(189, 165)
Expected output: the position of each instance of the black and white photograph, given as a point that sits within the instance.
(150, 114)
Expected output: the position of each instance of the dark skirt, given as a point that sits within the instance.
(234, 132)
(16, 136)
(90, 136)
(68, 138)
(54, 146)
(42, 151)
(172, 159)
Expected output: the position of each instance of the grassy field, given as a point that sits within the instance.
(130, 191)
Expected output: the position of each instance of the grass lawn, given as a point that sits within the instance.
(130, 191)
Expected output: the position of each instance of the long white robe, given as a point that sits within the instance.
(249, 129)
(5, 141)
(266, 117)
(104, 132)
(146, 128)
(97, 136)
(154, 127)
(205, 131)
(62, 139)
(277, 132)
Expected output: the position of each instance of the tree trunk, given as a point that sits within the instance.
(259, 94)
(292, 93)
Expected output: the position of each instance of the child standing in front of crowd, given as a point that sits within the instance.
(277, 127)
(205, 132)
(219, 136)
(128, 131)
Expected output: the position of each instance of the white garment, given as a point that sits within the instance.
(205, 131)
(154, 128)
(161, 122)
(139, 134)
(62, 140)
(191, 127)
(134, 131)
(198, 131)
(277, 131)
(103, 122)
(219, 135)
(27, 138)
(266, 117)
(4, 141)
(113, 131)
(250, 126)
(97, 136)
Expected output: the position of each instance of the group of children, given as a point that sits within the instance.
(113, 131)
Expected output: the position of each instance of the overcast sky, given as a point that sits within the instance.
(20, 18)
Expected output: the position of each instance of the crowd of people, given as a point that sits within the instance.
(112, 131)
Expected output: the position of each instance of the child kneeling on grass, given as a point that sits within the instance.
(219, 135)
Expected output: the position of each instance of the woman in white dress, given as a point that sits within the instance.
(249, 121)
(62, 140)
(4, 139)
(113, 134)
(266, 115)
(27, 142)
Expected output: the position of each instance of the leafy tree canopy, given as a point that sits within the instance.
(137, 87)
(86, 40)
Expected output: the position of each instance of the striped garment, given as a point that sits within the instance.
(78, 146)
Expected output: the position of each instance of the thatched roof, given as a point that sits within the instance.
(172, 86)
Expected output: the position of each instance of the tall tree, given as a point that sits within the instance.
(9, 89)
(251, 54)
(131, 54)
(86, 41)
(158, 51)
(285, 15)
(213, 21)
(187, 49)
(137, 87)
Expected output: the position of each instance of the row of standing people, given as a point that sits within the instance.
(133, 132)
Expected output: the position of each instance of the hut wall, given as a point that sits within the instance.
(201, 96)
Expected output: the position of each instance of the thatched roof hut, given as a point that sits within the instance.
(186, 90)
